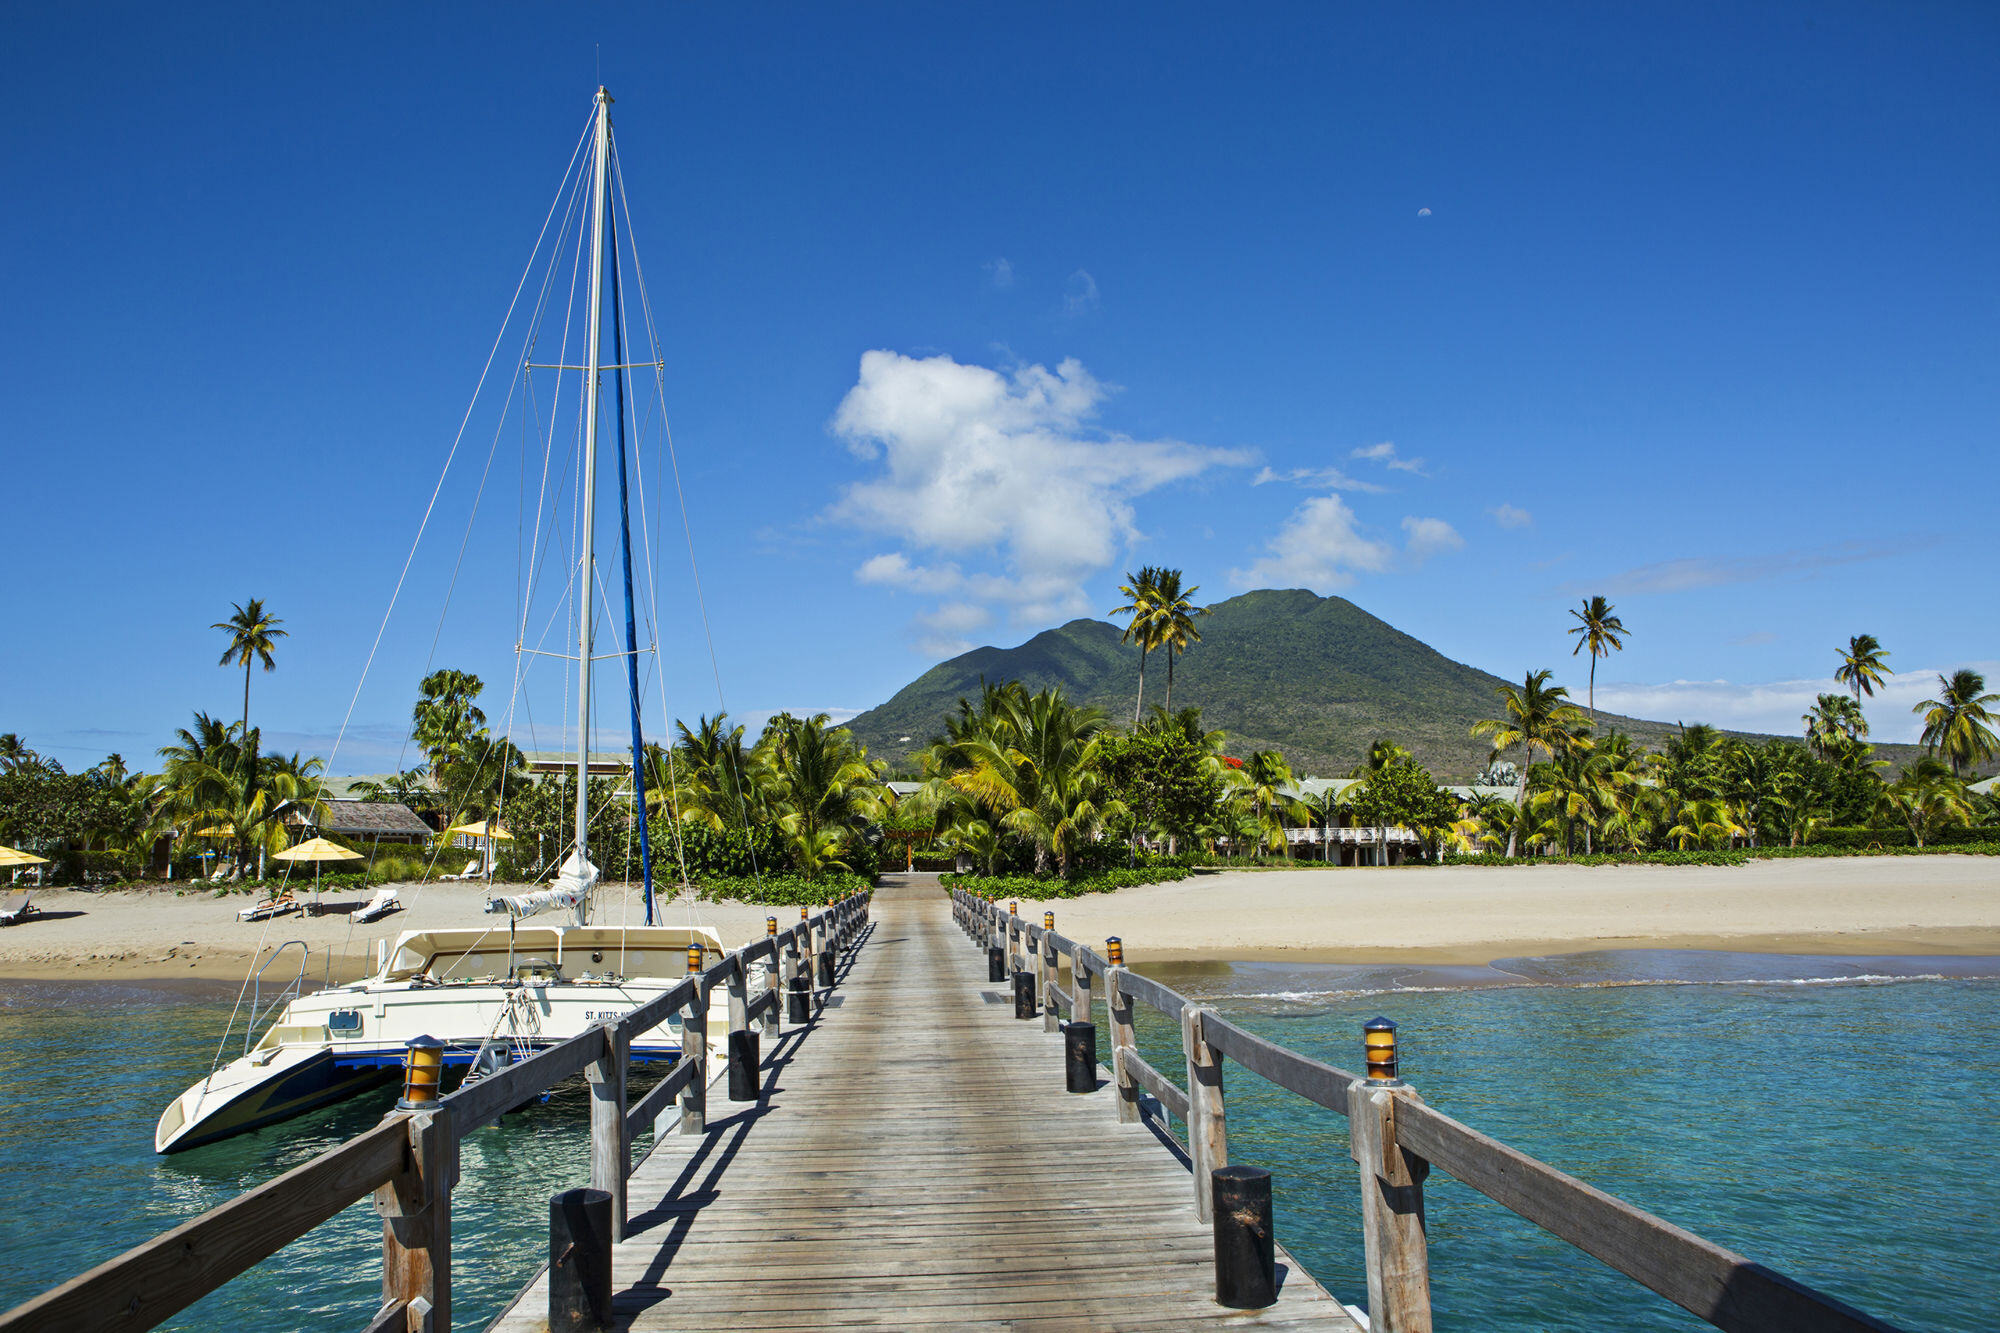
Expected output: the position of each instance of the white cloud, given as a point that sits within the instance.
(1385, 454)
(1776, 706)
(1319, 548)
(1080, 295)
(1000, 272)
(893, 569)
(1511, 516)
(956, 617)
(1000, 468)
(1427, 537)
(1316, 478)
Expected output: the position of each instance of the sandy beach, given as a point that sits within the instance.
(1464, 914)
(152, 934)
(1475, 914)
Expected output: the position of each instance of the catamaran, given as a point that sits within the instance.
(490, 995)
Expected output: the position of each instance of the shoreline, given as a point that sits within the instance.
(1362, 916)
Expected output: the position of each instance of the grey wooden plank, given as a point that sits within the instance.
(913, 1166)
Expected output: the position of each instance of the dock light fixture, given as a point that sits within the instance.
(770, 925)
(1014, 909)
(423, 1070)
(1379, 1044)
(1048, 921)
(694, 959)
(1114, 951)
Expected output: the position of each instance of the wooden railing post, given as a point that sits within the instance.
(610, 1149)
(694, 1046)
(1208, 1133)
(1079, 988)
(1392, 1211)
(1119, 1006)
(1051, 1011)
(415, 1208)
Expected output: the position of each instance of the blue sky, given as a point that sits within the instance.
(1462, 314)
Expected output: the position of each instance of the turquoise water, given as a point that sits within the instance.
(1813, 1115)
(1838, 1129)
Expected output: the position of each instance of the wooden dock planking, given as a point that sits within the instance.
(906, 1170)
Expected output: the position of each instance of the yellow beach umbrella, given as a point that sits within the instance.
(482, 830)
(10, 856)
(214, 831)
(318, 849)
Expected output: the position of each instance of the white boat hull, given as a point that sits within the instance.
(344, 1040)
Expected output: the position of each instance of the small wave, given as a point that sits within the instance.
(1606, 983)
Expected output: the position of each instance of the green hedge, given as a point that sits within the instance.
(1043, 890)
(779, 890)
(1733, 856)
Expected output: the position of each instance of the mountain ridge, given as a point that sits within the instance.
(1316, 677)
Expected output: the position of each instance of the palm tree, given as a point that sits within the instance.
(1598, 631)
(1174, 615)
(1863, 663)
(214, 777)
(827, 790)
(1834, 726)
(253, 632)
(1142, 604)
(1035, 770)
(1537, 714)
(444, 721)
(1927, 799)
(1267, 783)
(1958, 722)
(15, 754)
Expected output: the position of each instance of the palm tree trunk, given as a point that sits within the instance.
(1170, 678)
(1140, 702)
(1593, 687)
(1520, 803)
(246, 696)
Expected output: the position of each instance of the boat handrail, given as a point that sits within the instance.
(258, 1011)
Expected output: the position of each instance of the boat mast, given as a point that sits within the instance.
(585, 584)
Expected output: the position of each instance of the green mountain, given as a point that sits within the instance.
(1316, 677)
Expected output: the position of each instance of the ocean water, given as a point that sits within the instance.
(1831, 1118)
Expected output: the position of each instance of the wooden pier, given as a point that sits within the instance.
(916, 1163)
(906, 1155)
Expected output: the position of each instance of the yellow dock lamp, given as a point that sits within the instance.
(1379, 1045)
(771, 927)
(694, 960)
(1048, 921)
(1013, 909)
(1114, 951)
(803, 909)
(423, 1071)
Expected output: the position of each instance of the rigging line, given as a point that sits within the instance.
(621, 329)
(498, 338)
(485, 370)
(518, 380)
(673, 459)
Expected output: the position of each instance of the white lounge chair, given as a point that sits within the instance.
(471, 871)
(384, 902)
(270, 907)
(17, 908)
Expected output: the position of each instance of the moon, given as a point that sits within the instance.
(1423, 212)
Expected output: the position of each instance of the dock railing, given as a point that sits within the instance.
(409, 1162)
(1394, 1138)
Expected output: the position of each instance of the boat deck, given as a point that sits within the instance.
(915, 1163)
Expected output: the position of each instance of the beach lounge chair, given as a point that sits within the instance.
(384, 902)
(270, 907)
(471, 871)
(18, 907)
